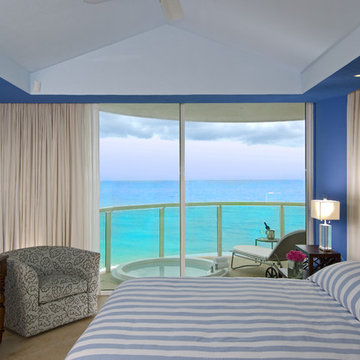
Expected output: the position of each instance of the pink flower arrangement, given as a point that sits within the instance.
(295, 255)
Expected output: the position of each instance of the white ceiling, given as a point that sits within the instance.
(40, 33)
(292, 34)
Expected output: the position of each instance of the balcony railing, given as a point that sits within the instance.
(109, 210)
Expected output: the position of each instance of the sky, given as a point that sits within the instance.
(133, 148)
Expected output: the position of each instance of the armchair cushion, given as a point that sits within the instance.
(58, 286)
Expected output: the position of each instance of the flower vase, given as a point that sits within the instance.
(295, 269)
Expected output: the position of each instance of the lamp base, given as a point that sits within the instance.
(325, 237)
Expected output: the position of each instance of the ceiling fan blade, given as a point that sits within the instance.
(172, 9)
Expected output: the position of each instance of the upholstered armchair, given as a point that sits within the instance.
(49, 286)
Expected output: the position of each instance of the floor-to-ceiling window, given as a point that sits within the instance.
(244, 165)
(139, 191)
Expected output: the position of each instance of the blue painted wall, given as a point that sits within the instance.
(330, 162)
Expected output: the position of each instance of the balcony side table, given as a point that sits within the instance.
(316, 258)
(266, 240)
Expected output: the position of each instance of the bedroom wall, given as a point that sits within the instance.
(330, 162)
(329, 134)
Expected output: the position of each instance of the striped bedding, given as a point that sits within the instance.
(220, 318)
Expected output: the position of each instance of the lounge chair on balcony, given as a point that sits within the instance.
(271, 257)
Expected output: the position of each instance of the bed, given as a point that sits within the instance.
(229, 318)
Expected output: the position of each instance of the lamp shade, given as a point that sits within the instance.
(325, 209)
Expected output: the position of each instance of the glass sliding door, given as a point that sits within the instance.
(238, 166)
(139, 193)
(245, 166)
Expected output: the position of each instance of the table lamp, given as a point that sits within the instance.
(325, 210)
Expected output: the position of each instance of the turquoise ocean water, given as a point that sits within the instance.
(135, 233)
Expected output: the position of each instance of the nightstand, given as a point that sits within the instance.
(317, 259)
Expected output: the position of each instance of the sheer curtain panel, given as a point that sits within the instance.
(353, 176)
(49, 176)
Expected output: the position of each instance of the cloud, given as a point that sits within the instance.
(289, 133)
(283, 133)
(112, 125)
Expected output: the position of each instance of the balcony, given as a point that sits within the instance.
(137, 232)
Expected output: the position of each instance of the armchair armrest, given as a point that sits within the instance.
(85, 264)
(22, 279)
(21, 296)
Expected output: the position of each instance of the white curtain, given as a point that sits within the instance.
(49, 176)
(353, 176)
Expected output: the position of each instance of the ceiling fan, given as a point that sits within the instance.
(171, 8)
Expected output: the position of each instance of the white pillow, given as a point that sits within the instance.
(342, 282)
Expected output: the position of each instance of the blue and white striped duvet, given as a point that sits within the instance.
(220, 318)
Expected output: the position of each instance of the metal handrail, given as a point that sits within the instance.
(219, 204)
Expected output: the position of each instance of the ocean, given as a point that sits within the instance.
(135, 233)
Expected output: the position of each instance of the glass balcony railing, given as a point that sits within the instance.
(134, 232)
